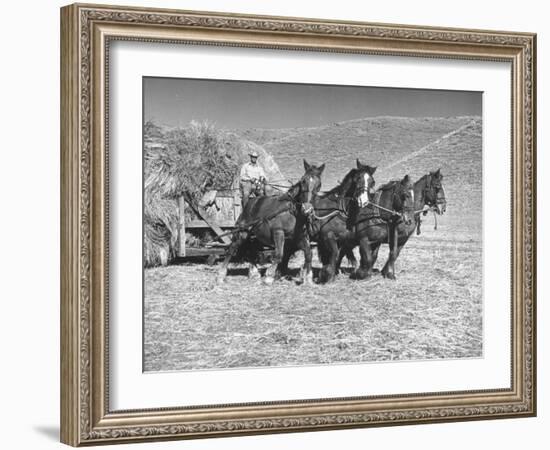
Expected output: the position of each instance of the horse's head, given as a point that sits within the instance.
(308, 186)
(403, 199)
(364, 184)
(434, 194)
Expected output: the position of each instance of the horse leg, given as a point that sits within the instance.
(323, 257)
(365, 269)
(351, 258)
(347, 251)
(399, 246)
(389, 268)
(253, 272)
(374, 251)
(332, 262)
(238, 240)
(278, 237)
(307, 273)
(282, 269)
(329, 269)
(341, 254)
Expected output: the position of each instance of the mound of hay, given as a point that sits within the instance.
(191, 160)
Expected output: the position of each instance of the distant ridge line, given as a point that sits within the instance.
(304, 130)
(430, 145)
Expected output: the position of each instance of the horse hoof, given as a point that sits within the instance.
(362, 275)
(253, 273)
(268, 281)
(322, 277)
(389, 276)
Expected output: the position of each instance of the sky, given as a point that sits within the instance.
(250, 104)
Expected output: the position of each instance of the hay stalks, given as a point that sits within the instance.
(190, 160)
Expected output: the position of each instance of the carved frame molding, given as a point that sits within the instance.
(86, 31)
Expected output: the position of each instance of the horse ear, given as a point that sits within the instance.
(371, 170)
(306, 166)
(405, 179)
(321, 168)
(359, 165)
(437, 172)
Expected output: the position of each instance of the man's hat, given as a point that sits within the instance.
(254, 154)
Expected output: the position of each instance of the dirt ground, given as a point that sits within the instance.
(433, 311)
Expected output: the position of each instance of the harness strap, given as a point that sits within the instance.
(340, 211)
(330, 215)
(268, 218)
(377, 197)
(250, 226)
(391, 211)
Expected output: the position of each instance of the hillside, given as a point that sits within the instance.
(459, 155)
(397, 145)
(375, 141)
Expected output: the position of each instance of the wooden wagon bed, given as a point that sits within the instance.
(219, 216)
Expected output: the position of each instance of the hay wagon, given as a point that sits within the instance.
(186, 226)
(214, 215)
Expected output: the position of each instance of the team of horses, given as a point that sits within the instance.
(355, 213)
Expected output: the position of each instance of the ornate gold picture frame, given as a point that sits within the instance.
(87, 31)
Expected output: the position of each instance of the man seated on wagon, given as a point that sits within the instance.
(252, 179)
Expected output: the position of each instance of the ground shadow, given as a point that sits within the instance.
(237, 271)
(353, 275)
(290, 275)
(49, 431)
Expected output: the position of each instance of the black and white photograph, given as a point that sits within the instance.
(300, 224)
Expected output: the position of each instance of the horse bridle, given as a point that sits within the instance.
(343, 204)
(299, 206)
(397, 190)
(432, 188)
(365, 189)
(405, 208)
(399, 215)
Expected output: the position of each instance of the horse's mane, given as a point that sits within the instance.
(421, 179)
(389, 185)
(337, 190)
(289, 192)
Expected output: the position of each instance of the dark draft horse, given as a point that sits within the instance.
(329, 224)
(377, 221)
(429, 195)
(278, 222)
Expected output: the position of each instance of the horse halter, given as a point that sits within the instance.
(306, 207)
(366, 189)
(433, 188)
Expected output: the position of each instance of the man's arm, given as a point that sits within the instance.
(244, 173)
